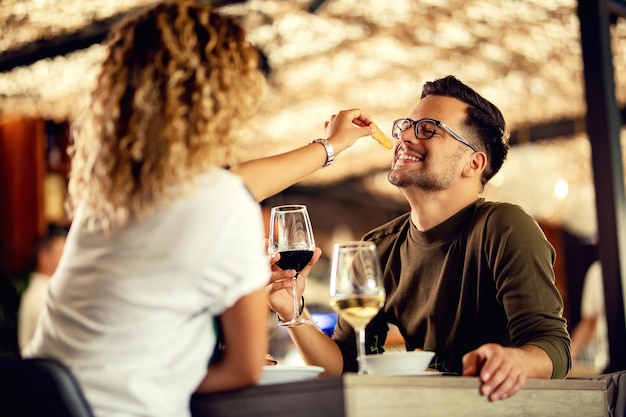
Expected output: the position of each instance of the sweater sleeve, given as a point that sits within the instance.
(522, 261)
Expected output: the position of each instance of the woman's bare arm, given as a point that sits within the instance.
(267, 176)
(246, 342)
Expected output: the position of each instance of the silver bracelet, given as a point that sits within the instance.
(330, 151)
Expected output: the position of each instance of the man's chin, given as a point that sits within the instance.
(397, 179)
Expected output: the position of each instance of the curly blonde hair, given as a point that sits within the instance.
(177, 82)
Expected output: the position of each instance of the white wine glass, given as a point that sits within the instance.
(291, 235)
(356, 289)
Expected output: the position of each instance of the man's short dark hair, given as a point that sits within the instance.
(484, 119)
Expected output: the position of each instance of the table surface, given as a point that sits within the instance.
(402, 396)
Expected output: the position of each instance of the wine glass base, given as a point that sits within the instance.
(296, 321)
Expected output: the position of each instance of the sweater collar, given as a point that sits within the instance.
(446, 230)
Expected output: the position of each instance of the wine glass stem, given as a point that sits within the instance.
(296, 301)
(361, 351)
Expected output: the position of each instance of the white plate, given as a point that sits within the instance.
(284, 373)
(416, 373)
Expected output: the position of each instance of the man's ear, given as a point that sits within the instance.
(476, 165)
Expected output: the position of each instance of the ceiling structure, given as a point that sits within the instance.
(323, 56)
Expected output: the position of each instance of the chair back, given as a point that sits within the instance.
(39, 388)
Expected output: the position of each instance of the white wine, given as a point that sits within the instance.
(358, 310)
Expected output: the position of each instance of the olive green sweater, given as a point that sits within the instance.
(485, 275)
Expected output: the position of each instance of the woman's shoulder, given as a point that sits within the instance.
(218, 176)
(216, 192)
(221, 181)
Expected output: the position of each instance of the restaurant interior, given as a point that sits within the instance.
(321, 56)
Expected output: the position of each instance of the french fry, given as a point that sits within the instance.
(380, 137)
(269, 360)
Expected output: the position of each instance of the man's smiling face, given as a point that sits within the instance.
(431, 164)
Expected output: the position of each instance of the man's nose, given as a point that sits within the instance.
(408, 136)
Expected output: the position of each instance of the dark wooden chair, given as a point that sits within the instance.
(39, 388)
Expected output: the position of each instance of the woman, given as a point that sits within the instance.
(163, 238)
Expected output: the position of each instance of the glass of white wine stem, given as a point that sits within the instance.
(356, 289)
(291, 235)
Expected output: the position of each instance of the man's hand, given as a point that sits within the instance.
(279, 288)
(501, 370)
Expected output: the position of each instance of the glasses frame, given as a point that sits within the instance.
(414, 123)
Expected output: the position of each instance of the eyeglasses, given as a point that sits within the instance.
(425, 129)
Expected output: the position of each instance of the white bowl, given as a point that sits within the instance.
(399, 363)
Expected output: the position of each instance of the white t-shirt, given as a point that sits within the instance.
(131, 314)
(31, 303)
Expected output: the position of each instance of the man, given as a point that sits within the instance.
(48, 252)
(468, 279)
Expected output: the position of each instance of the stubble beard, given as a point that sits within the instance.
(426, 179)
(420, 180)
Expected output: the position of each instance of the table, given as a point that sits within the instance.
(402, 396)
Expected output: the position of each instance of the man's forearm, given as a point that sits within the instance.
(537, 362)
(316, 348)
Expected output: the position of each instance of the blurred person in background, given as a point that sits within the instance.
(590, 349)
(46, 255)
(163, 237)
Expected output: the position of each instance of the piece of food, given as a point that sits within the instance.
(269, 360)
(380, 137)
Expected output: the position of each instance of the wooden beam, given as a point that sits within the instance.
(91, 34)
(62, 44)
(603, 122)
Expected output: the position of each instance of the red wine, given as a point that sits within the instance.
(294, 259)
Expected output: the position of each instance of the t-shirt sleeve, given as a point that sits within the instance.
(238, 264)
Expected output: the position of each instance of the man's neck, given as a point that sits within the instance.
(429, 209)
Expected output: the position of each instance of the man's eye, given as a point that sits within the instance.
(426, 132)
(405, 126)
